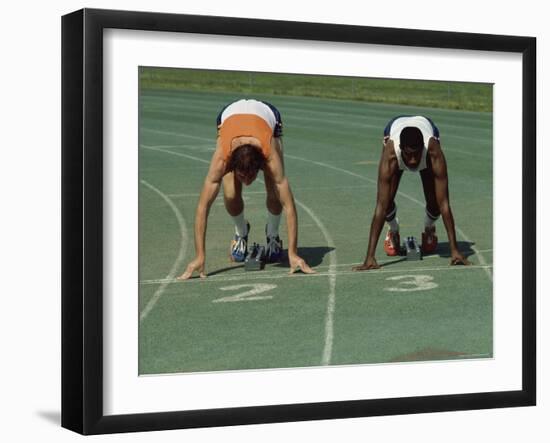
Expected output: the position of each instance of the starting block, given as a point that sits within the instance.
(255, 259)
(411, 249)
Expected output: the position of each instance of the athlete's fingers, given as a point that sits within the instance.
(188, 272)
(184, 276)
(460, 261)
(293, 269)
(293, 263)
(366, 267)
(296, 265)
(300, 264)
(202, 274)
(305, 268)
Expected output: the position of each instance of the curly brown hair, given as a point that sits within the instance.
(247, 160)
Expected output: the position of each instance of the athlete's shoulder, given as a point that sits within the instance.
(434, 149)
(218, 163)
(387, 168)
(430, 122)
(389, 155)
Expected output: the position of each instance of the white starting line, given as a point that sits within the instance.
(263, 275)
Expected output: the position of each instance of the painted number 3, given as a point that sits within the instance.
(412, 283)
(252, 294)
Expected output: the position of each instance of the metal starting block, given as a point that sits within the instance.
(255, 259)
(411, 249)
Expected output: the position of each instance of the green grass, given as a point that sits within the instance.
(332, 149)
(450, 95)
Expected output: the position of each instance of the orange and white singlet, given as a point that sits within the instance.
(248, 118)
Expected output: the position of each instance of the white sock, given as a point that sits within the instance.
(429, 220)
(273, 224)
(240, 225)
(394, 224)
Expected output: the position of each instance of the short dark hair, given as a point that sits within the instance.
(411, 137)
(246, 159)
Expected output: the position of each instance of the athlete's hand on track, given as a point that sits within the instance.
(195, 265)
(298, 263)
(458, 259)
(370, 263)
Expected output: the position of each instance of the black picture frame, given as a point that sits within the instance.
(82, 218)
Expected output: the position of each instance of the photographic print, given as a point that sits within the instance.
(294, 221)
(252, 238)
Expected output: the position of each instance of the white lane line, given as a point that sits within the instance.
(177, 134)
(180, 154)
(478, 252)
(326, 165)
(485, 250)
(329, 317)
(407, 196)
(199, 147)
(267, 273)
(178, 263)
(279, 275)
(274, 271)
(344, 109)
(296, 111)
(336, 122)
(366, 125)
(192, 147)
(331, 303)
(329, 322)
(294, 188)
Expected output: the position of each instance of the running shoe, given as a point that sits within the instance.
(391, 243)
(274, 249)
(239, 246)
(429, 240)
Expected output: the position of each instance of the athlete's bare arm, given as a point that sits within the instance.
(387, 169)
(208, 194)
(439, 167)
(274, 168)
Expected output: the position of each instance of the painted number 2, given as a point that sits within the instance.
(409, 283)
(252, 294)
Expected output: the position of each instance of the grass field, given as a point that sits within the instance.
(449, 95)
(407, 311)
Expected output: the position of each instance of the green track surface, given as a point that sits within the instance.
(337, 316)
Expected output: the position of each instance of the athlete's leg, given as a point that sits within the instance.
(274, 211)
(391, 213)
(233, 200)
(273, 205)
(429, 239)
(392, 240)
(232, 195)
(428, 185)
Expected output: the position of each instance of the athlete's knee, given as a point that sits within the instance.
(233, 203)
(232, 191)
